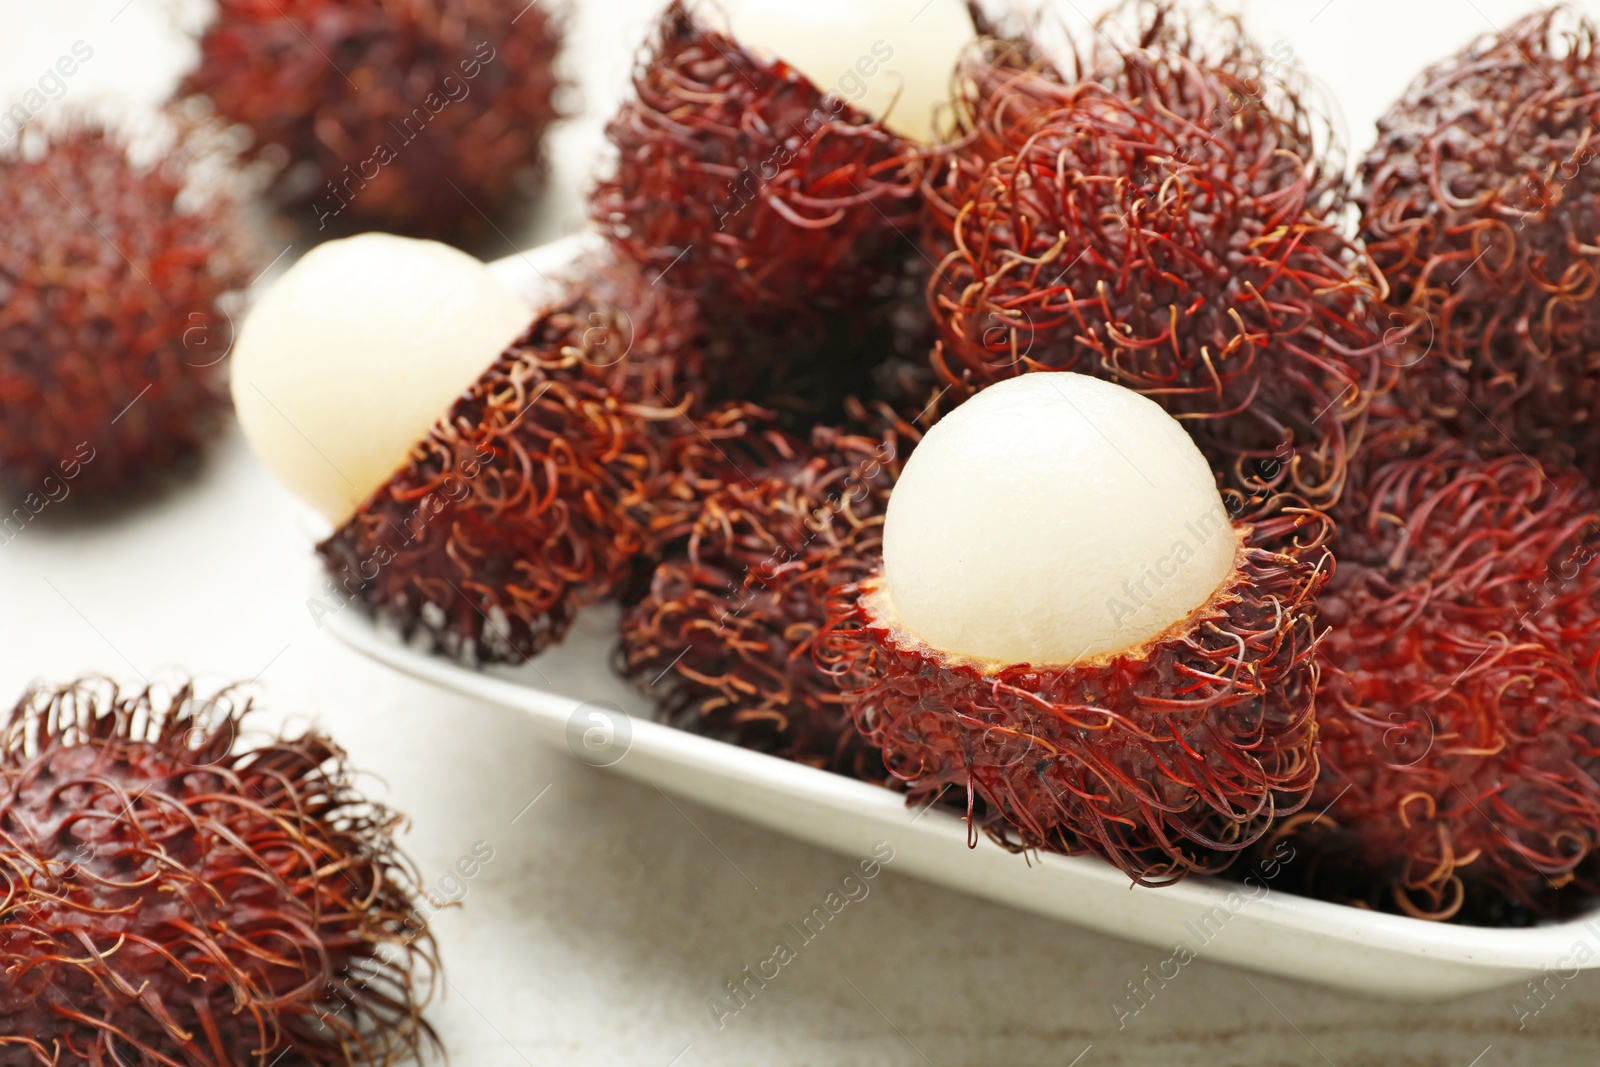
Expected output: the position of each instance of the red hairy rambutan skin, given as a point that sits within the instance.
(110, 328)
(723, 637)
(1460, 726)
(736, 177)
(1478, 203)
(1163, 760)
(174, 898)
(421, 117)
(536, 492)
(1121, 231)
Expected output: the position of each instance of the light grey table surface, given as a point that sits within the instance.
(607, 921)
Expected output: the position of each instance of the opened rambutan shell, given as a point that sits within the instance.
(1099, 230)
(423, 117)
(737, 177)
(1460, 728)
(723, 638)
(111, 330)
(1164, 760)
(546, 479)
(172, 897)
(1478, 203)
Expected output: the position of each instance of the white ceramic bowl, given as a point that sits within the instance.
(572, 694)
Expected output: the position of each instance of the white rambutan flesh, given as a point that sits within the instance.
(1054, 518)
(892, 59)
(348, 358)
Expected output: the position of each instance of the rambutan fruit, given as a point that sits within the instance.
(1116, 228)
(423, 117)
(771, 167)
(486, 476)
(1071, 627)
(174, 897)
(1478, 204)
(112, 324)
(723, 637)
(772, 162)
(1460, 731)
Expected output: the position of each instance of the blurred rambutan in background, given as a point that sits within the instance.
(418, 117)
(174, 895)
(1479, 203)
(113, 318)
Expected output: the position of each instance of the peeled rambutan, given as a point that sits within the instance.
(1116, 228)
(1478, 203)
(548, 477)
(174, 897)
(723, 637)
(424, 117)
(1460, 734)
(1074, 628)
(111, 322)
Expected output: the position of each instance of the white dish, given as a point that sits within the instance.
(1380, 955)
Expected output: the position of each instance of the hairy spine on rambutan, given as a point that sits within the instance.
(537, 491)
(723, 638)
(423, 117)
(113, 327)
(1460, 728)
(1478, 205)
(1094, 227)
(173, 896)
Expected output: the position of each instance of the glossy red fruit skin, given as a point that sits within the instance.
(1460, 725)
(112, 331)
(420, 117)
(172, 898)
(723, 637)
(1164, 761)
(1116, 226)
(537, 492)
(1477, 203)
(739, 179)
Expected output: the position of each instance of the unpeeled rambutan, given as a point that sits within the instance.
(111, 326)
(541, 486)
(423, 117)
(1460, 732)
(172, 897)
(723, 637)
(1115, 227)
(1478, 203)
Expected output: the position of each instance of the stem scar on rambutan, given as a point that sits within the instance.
(175, 896)
(1072, 626)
